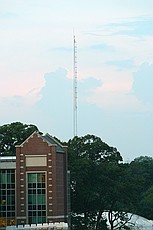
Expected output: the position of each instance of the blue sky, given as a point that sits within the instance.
(115, 69)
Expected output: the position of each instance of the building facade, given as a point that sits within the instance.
(7, 191)
(34, 184)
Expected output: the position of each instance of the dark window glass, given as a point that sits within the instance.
(43, 213)
(30, 185)
(29, 191)
(13, 192)
(8, 186)
(34, 185)
(43, 185)
(3, 192)
(13, 177)
(34, 213)
(39, 185)
(39, 213)
(8, 192)
(30, 207)
(30, 213)
(8, 214)
(3, 186)
(4, 209)
(34, 207)
(3, 214)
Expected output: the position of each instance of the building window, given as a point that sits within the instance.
(36, 198)
(7, 197)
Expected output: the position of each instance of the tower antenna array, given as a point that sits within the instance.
(75, 87)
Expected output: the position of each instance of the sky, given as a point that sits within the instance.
(114, 64)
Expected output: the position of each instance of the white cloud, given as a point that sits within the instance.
(117, 93)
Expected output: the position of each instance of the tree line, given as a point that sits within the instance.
(104, 189)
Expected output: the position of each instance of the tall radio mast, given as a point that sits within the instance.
(75, 88)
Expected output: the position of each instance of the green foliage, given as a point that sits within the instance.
(142, 167)
(93, 148)
(12, 135)
(100, 182)
(143, 159)
(97, 181)
(146, 204)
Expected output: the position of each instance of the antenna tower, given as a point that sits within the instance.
(75, 88)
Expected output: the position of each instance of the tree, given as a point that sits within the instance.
(118, 193)
(119, 220)
(86, 156)
(101, 183)
(93, 148)
(12, 135)
(143, 167)
(146, 204)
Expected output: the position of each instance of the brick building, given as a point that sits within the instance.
(34, 184)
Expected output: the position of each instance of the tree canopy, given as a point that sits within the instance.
(102, 183)
(99, 182)
(92, 148)
(12, 135)
(142, 167)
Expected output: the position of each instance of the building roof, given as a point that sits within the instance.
(52, 141)
(7, 158)
(7, 162)
(49, 139)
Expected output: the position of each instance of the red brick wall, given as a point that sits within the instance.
(56, 176)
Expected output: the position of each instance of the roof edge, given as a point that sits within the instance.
(56, 141)
(26, 140)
